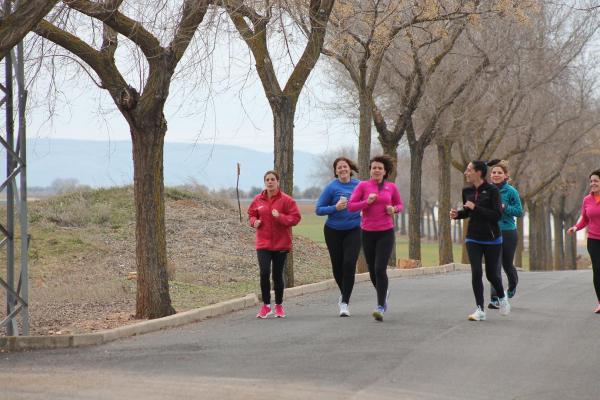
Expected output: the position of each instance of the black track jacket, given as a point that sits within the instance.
(483, 223)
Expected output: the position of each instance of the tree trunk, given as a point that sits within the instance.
(284, 110)
(534, 264)
(548, 256)
(153, 299)
(364, 135)
(403, 223)
(559, 245)
(520, 242)
(538, 237)
(570, 244)
(414, 209)
(434, 223)
(427, 216)
(444, 148)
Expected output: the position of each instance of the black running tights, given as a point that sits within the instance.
(593, 247)
(343, 246)
(265, 258)
(491, 254)
(378, 246)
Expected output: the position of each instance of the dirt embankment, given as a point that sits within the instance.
(83, 249)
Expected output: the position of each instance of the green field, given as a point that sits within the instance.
(311, 227)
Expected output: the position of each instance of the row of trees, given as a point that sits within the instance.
(491, 81)
(477, 79)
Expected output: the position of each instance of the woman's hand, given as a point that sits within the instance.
(275, 213)
(571, 230)
(341, 204)
(470, 205)
(256, 223)
(372, 197)
(453, 213)
(390, 210)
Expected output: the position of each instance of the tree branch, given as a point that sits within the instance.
(193, 12)
(21, 21)
(127, 27)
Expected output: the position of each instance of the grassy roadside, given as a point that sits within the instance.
(82, 250)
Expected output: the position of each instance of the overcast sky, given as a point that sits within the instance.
(236, 111)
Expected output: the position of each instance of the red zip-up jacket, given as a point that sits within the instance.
(274, 234)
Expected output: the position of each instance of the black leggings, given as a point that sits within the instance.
(593, 247)
(378, 246)
(343, 246)
(509, 246)
(265, 257)
(491, 254)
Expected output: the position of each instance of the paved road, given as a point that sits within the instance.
(547, 348)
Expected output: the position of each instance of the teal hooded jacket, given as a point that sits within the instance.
(509, 196)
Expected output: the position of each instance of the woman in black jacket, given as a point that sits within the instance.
(481, 204)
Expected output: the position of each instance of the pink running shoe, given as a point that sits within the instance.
(264, 311)
(597, 310)
(279, 311)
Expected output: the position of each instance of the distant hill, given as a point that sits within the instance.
(103, 164)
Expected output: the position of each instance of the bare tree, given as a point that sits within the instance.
(359, 38)
(252, 20)
(411, 84)
(142, 108)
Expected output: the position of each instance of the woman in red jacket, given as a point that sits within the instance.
(272, 213)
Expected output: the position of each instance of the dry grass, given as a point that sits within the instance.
(83, 248)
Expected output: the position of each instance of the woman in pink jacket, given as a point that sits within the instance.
(590, 217)
(378, 201)
(272, 213)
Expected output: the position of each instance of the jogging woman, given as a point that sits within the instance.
(511, 208)
(590, 217)
(481, 204)
(378, 200)
(272, 213)
(342, 228)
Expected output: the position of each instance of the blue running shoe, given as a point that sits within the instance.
(511, 293)
(385, 305)
(378, 314)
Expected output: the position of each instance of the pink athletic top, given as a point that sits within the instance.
(374, 215)
(590, 217)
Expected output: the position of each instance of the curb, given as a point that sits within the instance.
(23, 343)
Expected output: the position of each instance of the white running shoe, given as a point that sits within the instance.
(504, 306)
(344, 311)
(478, 315)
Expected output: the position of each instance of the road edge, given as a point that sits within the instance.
(24, 343)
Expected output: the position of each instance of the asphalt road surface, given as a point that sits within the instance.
(547, 348)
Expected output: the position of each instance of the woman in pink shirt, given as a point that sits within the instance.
(378, 200)
(590, 217)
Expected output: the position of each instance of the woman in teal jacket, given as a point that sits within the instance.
(511, 208)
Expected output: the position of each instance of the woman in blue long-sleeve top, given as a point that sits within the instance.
(511, 208)
(342, 228)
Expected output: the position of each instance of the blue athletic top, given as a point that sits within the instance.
(340, 220)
